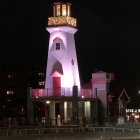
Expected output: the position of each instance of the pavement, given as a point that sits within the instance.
(76, 136)
(83, 135)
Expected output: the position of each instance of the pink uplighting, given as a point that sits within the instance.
(99, 81)
(39, 93)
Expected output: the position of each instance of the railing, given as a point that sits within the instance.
(65, 92)
(39, 130)
(113, 129)
(65, 129)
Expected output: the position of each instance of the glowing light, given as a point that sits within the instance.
(10, 92)
(63, 10)
(137, 116)
(41, 83)
(58, 10)
(133, 110)
(65, 81)
(36, 97)
(87, 108)
(65, 111)
(65, 105)
(22, 109)
(47, 102)
(82, 97)
(61, 20)
(68, 12)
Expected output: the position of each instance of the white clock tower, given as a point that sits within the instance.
(62, 68)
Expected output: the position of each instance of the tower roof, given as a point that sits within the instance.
(124, 96)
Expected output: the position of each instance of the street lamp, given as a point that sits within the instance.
(47, 102)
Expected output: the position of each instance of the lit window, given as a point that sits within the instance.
(58, 10)
(41, 83)
(57, 46)
(8, 100)
(10, 76)
(69, 10)
(63, 10)
(40, 74)
(10, 92)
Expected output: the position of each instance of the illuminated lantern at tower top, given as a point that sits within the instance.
(61, 15)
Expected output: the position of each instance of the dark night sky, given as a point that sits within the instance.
(108, 37)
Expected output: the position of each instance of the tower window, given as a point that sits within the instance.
(57, 46)
(10, 92)
(41, 83)
(68, 10)
(63, 10)
(58, 10)
(10, 76)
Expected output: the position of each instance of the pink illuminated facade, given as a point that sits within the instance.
(63, 96)
(62, 68)
(100, 85)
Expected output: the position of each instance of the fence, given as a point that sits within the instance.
(39, 130)
(63, 92)
(113, 129)
(63, 129)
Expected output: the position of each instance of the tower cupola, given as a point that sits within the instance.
(61, 15)
(61, 9)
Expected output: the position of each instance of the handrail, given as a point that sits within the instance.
(63, 129)
(39, 130)
(113, 129)
(62, 92)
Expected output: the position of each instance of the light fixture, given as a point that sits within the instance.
(47, 102)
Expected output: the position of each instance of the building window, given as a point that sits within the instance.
(63, 10)
(41, 83)
(69, 10)
(40, 74)
(58, 10)
(10, 76)
(10, 92)
(57, 46)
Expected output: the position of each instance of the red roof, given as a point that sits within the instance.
(56, 71)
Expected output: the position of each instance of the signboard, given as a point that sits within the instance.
(132, 110)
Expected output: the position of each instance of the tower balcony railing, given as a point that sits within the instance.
(61, 20)
(61, 92)
(87, 93)
(51, 92)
